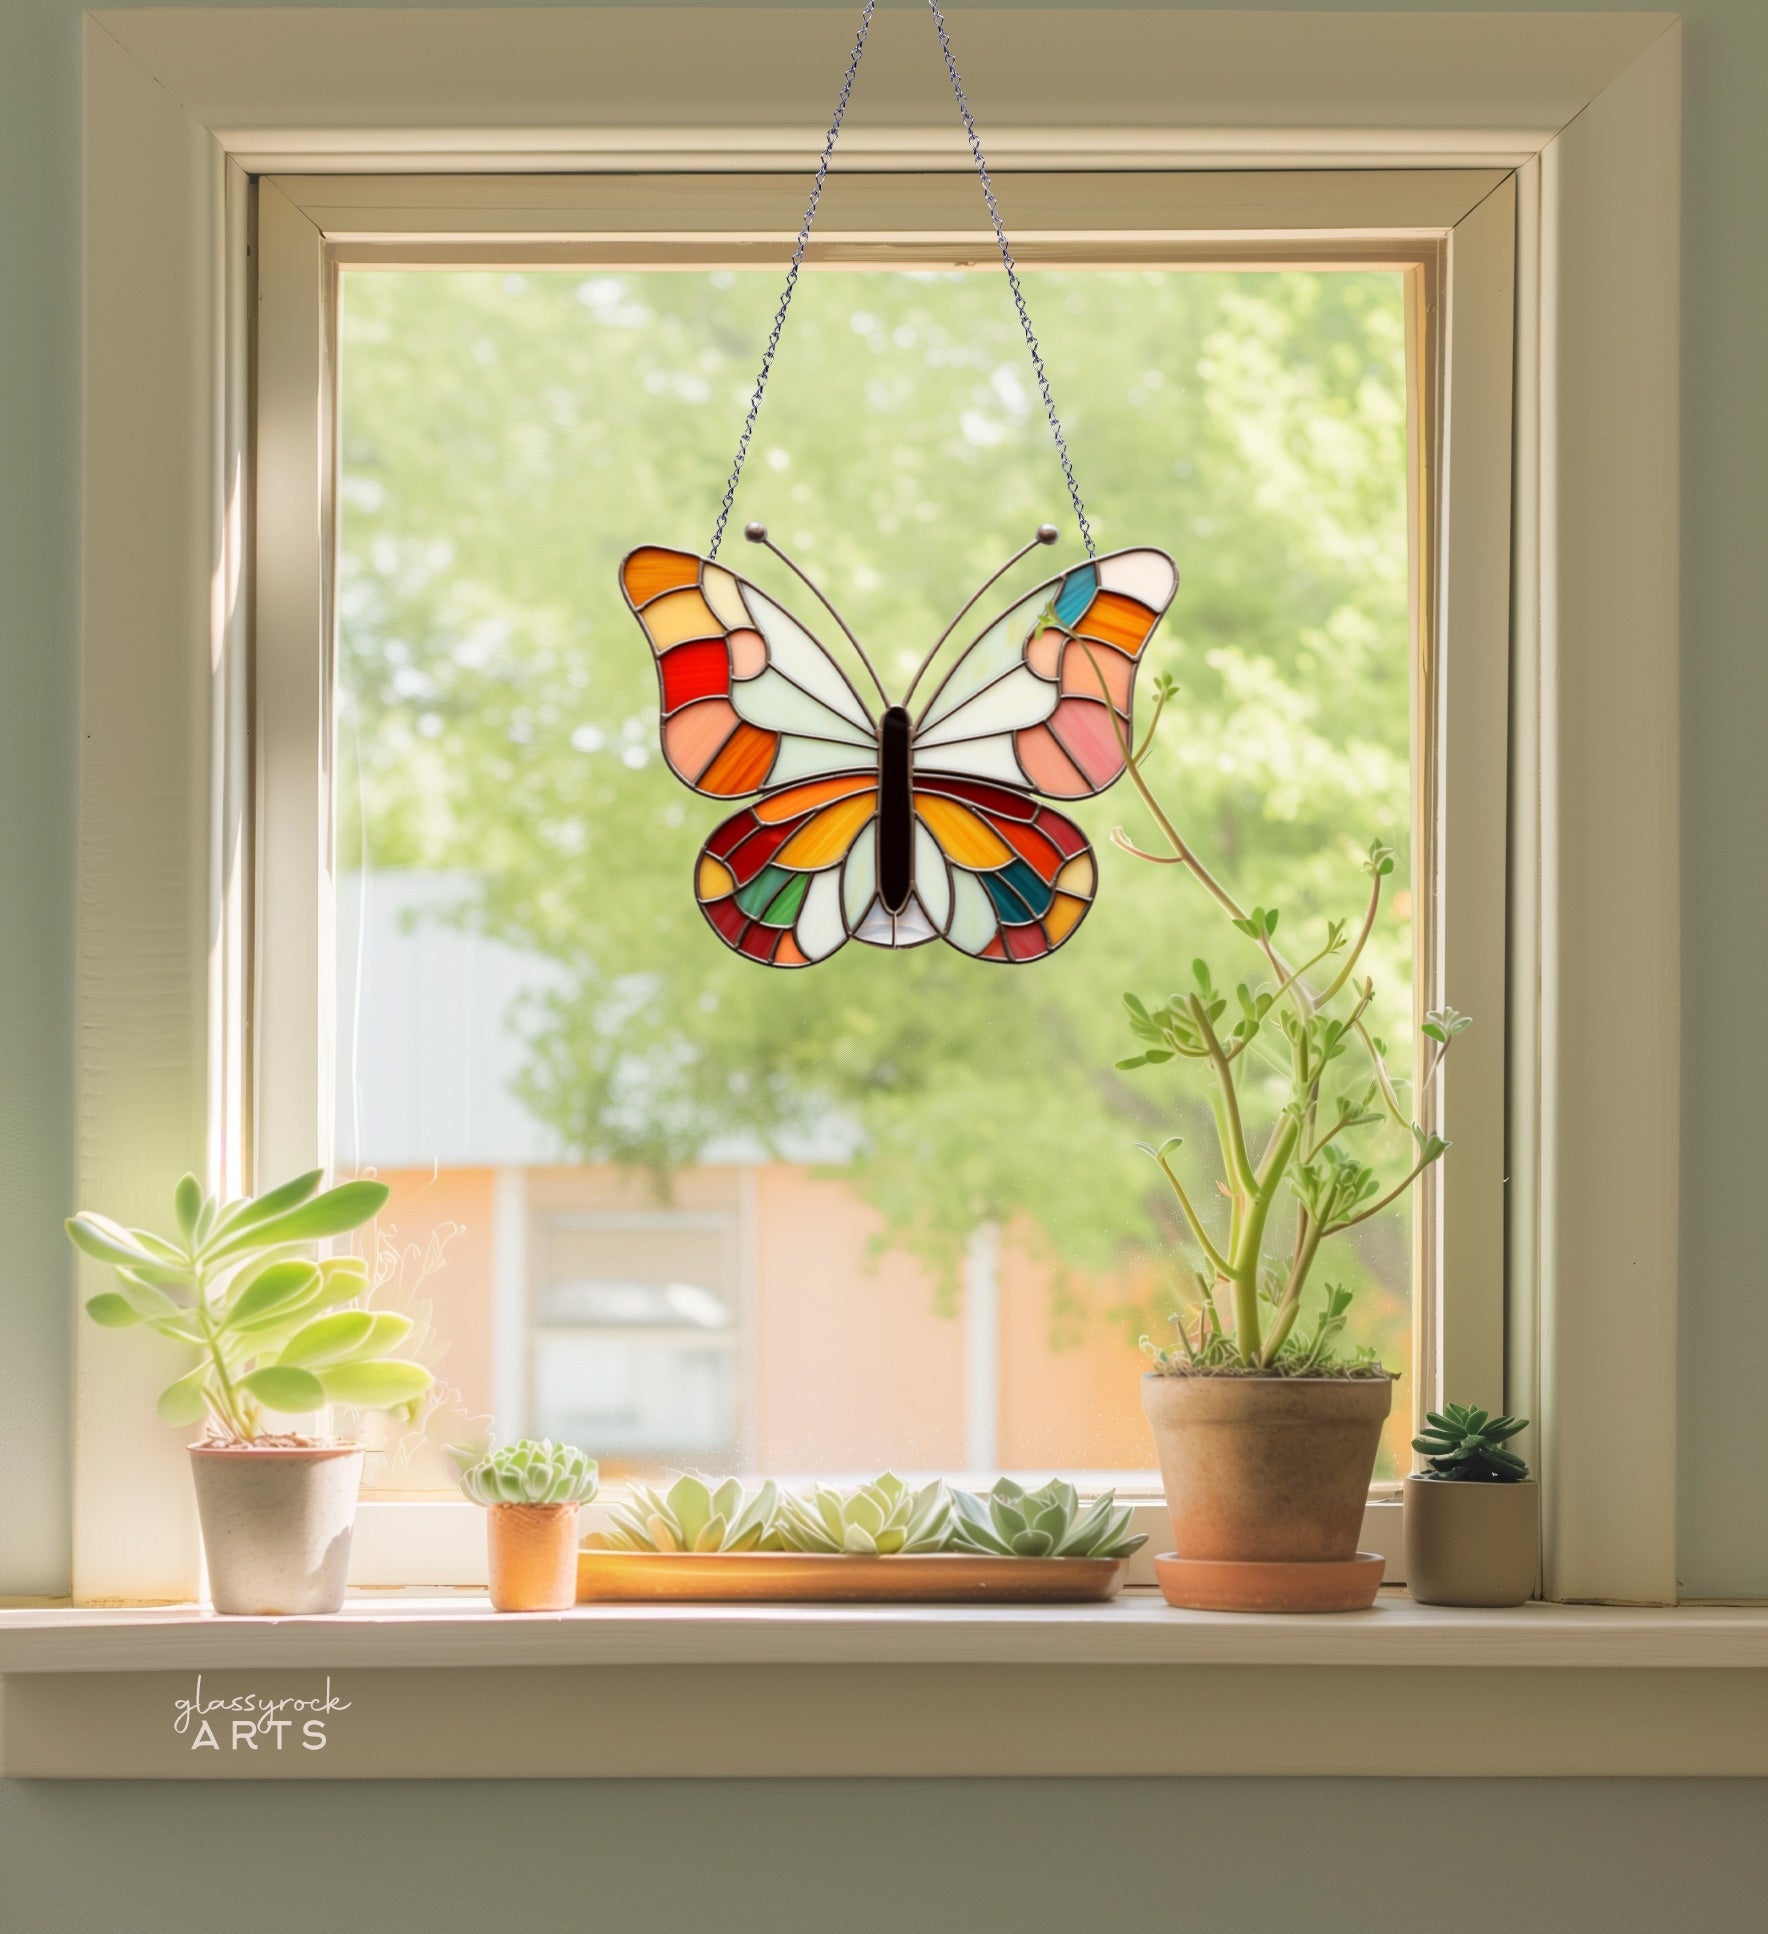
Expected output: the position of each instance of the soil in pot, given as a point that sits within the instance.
(1267, 1472)
(276, 1517)
(533, 1554)
(1469, 1543)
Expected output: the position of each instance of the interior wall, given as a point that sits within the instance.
(885, 1857)
(1221, 1856)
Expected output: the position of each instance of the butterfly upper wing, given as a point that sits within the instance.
(1044, 698)
(772, 879)
(750, 700)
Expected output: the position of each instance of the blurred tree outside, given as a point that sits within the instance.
(507, 438)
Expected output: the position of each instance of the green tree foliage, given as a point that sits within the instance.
(508, 438)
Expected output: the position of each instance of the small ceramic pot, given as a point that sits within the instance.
(1472, 1544)
(276, 1524)
(533, 1552)
(1266, 1479)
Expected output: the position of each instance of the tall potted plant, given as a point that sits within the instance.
(1265, 1424)
(277, 1334)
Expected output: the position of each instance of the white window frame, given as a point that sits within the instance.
(1582, 111)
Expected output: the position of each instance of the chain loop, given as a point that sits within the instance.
(1007, 262)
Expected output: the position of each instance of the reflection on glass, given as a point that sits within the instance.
(886, 1211)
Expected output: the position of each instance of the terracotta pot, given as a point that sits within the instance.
(276, 1524)
(533, 1550)
(1268, 1469)
(1472, 1544)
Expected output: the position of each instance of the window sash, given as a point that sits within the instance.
(1452, 235)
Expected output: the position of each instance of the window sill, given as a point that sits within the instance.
(438, 1686)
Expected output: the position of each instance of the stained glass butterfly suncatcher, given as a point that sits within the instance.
(885, 826)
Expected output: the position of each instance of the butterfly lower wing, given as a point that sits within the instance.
(1004, 877)
(770, 879)
(1044, 698)
(749, 698)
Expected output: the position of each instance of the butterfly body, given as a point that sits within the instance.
(894, 828)
(896, 809)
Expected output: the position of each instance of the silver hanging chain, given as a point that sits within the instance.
(1007, 262)
(994, 215)
(779, 321)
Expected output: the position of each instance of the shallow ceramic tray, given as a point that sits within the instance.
(762, 1577)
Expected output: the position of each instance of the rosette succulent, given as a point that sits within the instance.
(878, 1520)
(1468, 1445)
(1011, 1522)
(692, 1515)
(532, 1473)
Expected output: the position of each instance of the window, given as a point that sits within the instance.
(889, 1212)
(1523, 191)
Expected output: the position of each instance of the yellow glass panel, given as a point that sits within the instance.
(824, 839)
(713, 880)
(1077, 876)
(1064, 912)
(680, 616)
(965, 836)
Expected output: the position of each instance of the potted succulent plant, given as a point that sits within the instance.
(278, 1334)
(1012, 1522)
(1473, 1519)
(1266, 1426)
(532, 1493)
(882, 1539)
(879, 1519)
(696, 1514)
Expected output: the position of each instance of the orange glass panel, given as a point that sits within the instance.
(648, 573)
(802, 799)
(1118, 620)
(743, 764)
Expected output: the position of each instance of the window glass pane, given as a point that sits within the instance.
(887, 1211)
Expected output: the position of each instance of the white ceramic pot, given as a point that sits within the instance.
(276, 1524)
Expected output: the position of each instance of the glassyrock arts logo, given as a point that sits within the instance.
(253, 1722)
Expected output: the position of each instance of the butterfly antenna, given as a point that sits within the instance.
(757, 534)
(1046, 534)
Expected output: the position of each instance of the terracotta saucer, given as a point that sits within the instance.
(1245, 1585)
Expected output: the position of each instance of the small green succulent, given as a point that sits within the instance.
(1468, 1445)
(532, 1473)
(692, 1515)
(1011, 1522)
(877, 1520)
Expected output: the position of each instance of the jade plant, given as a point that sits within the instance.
(1300, 1034)
(1468, 1445)
(532, 1473)
(695, 1515)
(275, 1330)
(1011, 1522)
(879, 1519)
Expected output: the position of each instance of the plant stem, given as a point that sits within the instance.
(1289, 1307)
(1211, 1253)
(1362, 940)
(1393, 1195)
(232, 1414)
(1234, 1141)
